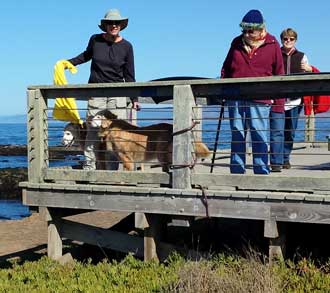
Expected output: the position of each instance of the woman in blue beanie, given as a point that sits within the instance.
(254, 53)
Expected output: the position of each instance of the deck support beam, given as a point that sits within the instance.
(54, 243)
(152, 236)
(276, 240)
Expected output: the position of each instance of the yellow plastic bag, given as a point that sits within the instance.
(65, 109)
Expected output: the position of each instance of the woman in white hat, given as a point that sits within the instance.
(112, 60)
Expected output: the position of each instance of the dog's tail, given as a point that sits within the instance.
(201, 150)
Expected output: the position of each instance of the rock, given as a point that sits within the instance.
(9, 180)
(55, 152)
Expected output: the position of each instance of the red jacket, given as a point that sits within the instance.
(318, 104)
(265, 61)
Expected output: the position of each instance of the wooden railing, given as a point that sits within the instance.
(185, 95)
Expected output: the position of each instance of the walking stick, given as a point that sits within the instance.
(217, 135)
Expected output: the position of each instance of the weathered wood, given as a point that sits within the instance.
(32, 139)
(310, 129)
(107, 176)
(54, 243)
(152, 236)
(243, 88)
(178, 204)
(182, 148)
(37, 135)
(277, 238)
(251, 182)
(198, 118)
(102, 237)
(276, 249)
(270, 229)
(140, 221)
(247, 197)
(46, 216)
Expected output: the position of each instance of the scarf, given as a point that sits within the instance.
(251, 44)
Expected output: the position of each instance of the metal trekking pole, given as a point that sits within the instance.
(217, 135)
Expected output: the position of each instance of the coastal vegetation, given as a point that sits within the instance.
(222, 273)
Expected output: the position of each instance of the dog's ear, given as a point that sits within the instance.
(109, 115)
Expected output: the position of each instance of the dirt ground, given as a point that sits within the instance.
(27, 238)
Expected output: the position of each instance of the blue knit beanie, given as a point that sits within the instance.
(253, 20)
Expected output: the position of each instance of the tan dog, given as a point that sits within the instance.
(137, 144)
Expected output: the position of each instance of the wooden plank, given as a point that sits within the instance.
(309, 84)
(306, 212)
(102, 237)
(256, 88)
(117, 240)
(183, 101)
(46, 216)
(271, 183)
(100, 176)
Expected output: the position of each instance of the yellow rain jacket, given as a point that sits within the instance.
(65, 109)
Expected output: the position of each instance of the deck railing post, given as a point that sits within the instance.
(310, 129)
(37, 135)
(183, 102)
(198, 117)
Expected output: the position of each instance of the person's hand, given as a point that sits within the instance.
(136, 106)
(306, 67)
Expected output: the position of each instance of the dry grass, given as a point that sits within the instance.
(243, 275)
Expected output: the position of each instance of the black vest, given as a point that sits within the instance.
(295, 62)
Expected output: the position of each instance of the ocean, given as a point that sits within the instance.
(18, 136)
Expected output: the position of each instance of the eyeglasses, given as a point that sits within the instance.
(289, 39)
(113, 22)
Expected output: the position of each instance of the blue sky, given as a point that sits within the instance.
(170, 38)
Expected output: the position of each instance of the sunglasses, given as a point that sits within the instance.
(289, 39)
(113, 22)
(248, 31)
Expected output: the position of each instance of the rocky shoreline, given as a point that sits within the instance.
(9, 182)
(10, 177)
(55, 152)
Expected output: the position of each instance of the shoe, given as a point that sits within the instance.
(286, 165)
(276, 168)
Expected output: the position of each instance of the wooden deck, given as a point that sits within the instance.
(300, 194)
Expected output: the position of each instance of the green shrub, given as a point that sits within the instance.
(222, 273)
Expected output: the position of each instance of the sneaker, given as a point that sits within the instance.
(276, 168)
(286, 165)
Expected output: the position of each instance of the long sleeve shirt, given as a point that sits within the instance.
(265, 61)
(111, 62)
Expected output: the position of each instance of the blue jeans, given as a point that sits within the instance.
(290, 126)
(246, 115)
(276, 124)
